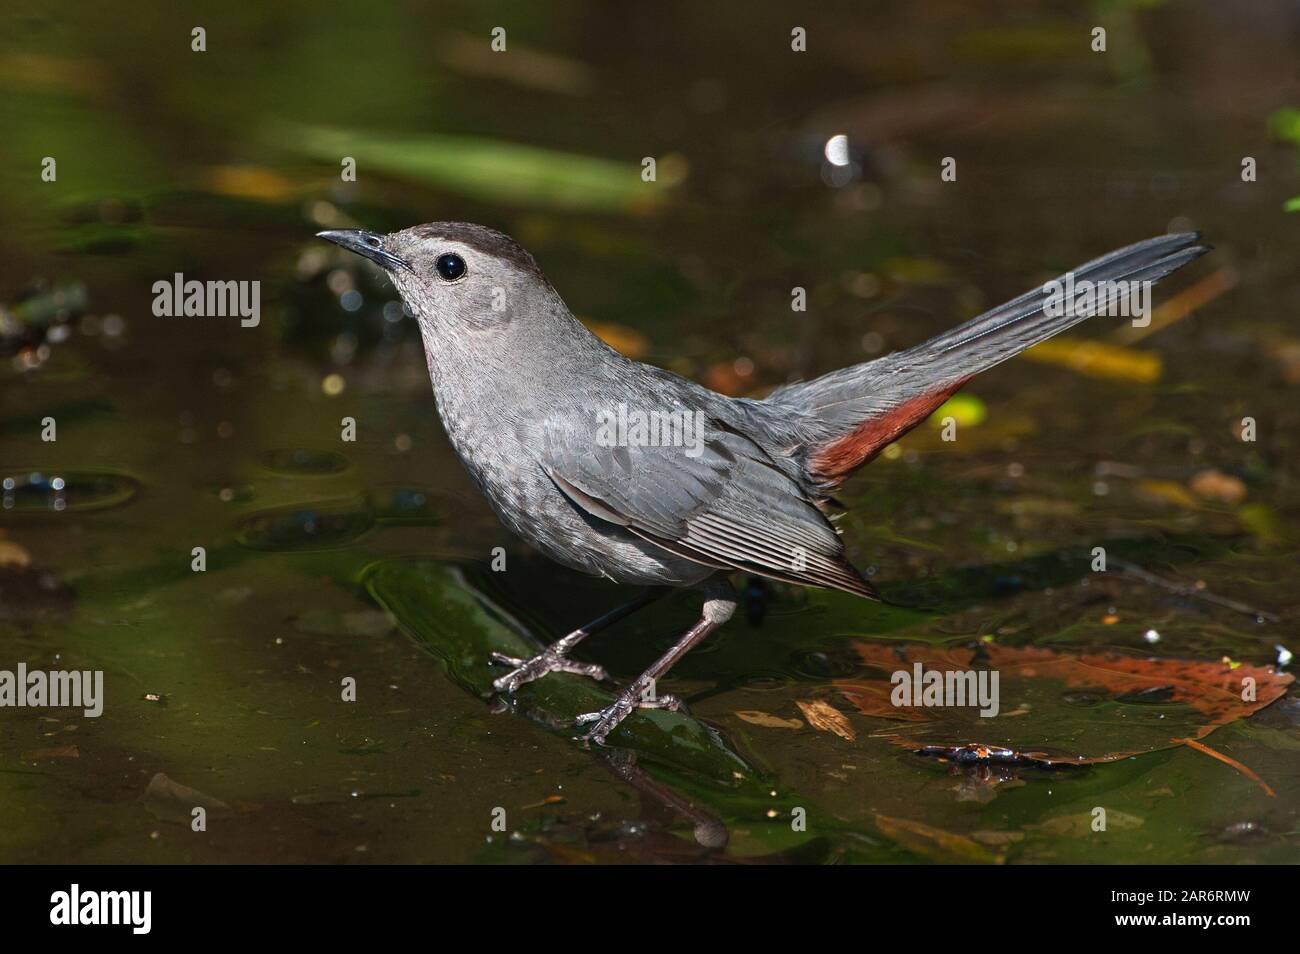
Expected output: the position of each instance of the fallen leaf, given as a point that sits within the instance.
(13, 554)
(934, 842)
(1097, 359)
(1168, 491)
(766, 719)
(1085, 708)
(172, 801)
(52, 752)
(824, 717)
(1216, 485)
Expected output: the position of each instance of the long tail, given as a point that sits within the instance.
(865, 407)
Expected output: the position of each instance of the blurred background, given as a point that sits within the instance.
(774, 169)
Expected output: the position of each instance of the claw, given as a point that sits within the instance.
(547, 661)
(608, 719)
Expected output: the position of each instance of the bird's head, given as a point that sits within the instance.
(457, 278)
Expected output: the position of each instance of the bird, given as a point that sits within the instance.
(537, 408)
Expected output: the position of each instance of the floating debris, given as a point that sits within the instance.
(984, 755)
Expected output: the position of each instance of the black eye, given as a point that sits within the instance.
(450, 266)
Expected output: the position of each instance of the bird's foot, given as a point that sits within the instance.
(633, 697)
(548, 660)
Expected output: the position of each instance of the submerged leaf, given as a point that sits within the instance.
(1082, 708)
(440, 608)
(935, 843)
(766, 719)
(826, 718)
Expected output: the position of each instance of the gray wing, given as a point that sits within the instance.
(722, 502)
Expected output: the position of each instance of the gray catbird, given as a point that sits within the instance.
(626, 471)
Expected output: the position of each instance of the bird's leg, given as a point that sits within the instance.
(554, 658)
(719, 604)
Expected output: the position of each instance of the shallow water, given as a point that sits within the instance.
(328, 559)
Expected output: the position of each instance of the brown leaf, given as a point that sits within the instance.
(766, 719)
(172, 801)
(12, 554)
(1071, 719)
(53, 752)
(824, 717)
(1216, 485)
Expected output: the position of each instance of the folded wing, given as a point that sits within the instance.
(723, 502)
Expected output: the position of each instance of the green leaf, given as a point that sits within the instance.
(438, 607)
(1285, 124)
(486, 169)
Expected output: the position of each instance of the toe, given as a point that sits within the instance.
(592, 670)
